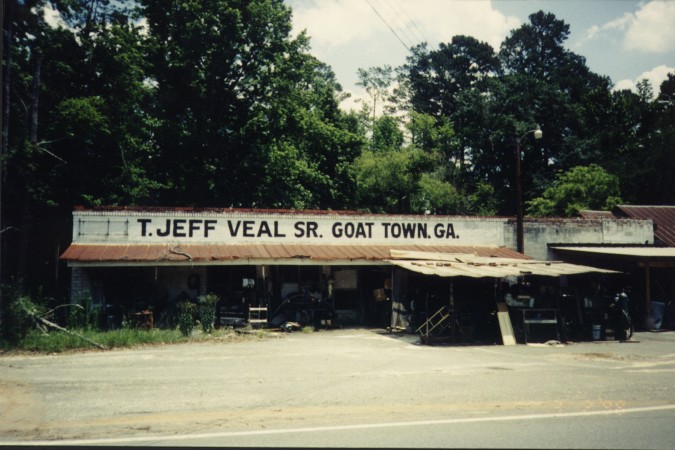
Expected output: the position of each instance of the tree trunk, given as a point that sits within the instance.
(6, 47)
(27, 210)
(5, 43)
(33, 131)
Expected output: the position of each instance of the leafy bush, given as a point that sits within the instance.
(82, 315)
(16, 320)
(207, 311)
(185, 317)
(581, 187)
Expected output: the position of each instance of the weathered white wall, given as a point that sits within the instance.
(539, 235)
(204, 227)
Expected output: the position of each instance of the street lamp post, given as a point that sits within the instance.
(519, 191)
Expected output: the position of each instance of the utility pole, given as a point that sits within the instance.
(520, 239)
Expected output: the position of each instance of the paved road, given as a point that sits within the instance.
(354, 388)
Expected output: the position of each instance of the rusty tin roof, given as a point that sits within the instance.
(662, 216)
(150, 254)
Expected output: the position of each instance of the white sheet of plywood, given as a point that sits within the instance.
(505, 324)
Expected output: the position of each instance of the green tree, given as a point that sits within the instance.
(76, 129)
(491, 99)
(377, 82)
(385, 181)
(398, 178)
(236, 97)
(386, 135)
(548, 85)
(434, 196)
(437, 77)
(661, 159)
(583, 187)
(451, 84)
(647, 157)
(312, 148)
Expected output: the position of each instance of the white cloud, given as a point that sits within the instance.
(650, 29)
(441, 20)
(334, 23)
(352, 34)
(625, 84)
(656, 76)
(653, 28)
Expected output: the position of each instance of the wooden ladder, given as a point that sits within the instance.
(257, 315)
(441, 319)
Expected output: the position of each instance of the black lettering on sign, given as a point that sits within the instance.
(396, 230)
(248, 228)
(233, 230)
(337, 229)
(166, 231)
(386, 226)
(306, 229)
(193, 226)
(144, 226)
(265, 230)
(422, 232)
(209, 225)
(352, 230)
(417, 230)
(311, 229)
(178, 225)
(245, 227)
(445, 231)
(277, 233)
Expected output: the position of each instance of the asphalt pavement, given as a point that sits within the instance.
(346, 388)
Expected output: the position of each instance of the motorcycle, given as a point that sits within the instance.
(618, 318)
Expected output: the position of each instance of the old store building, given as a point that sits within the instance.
(328, 267)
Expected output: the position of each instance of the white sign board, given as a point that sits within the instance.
(286, 228)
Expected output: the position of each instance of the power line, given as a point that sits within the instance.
(398, 22)
(421, 37)
(387, 24)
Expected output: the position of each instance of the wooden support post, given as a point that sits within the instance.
(649, 320)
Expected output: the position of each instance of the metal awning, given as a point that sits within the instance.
(90, 254)
(631, 252)
(476, 266)
(643, 256)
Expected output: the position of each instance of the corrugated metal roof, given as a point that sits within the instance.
(147, 254)
(634, 252)
(662, 216)
(485, 267)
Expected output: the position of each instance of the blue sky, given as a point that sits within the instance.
(626, 40)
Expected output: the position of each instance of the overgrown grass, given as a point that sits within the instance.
(58, 342)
